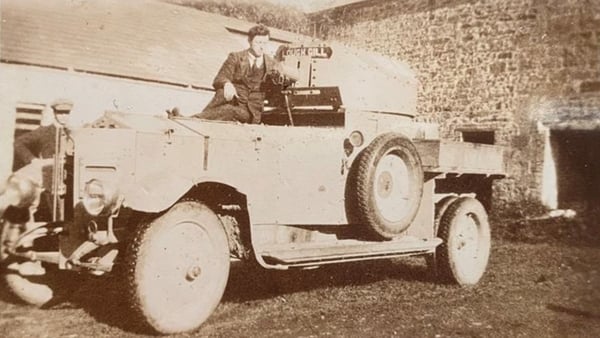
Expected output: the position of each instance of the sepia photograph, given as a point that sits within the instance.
(299, 168)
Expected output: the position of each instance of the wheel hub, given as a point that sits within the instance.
(193, 273)
(385, 184)
(467, 238)
(391, 187)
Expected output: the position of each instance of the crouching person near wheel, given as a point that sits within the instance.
(22, 188)
(24, 200)
(28, 280)
(19, 197)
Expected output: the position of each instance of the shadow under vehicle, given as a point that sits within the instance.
(170, 201)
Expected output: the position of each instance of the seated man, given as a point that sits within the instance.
(239, 85)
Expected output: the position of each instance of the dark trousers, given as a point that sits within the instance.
(231, 111)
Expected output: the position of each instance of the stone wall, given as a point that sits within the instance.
(493, 65)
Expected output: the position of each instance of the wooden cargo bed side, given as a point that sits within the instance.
(440, 156)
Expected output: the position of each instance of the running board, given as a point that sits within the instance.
(319, 253)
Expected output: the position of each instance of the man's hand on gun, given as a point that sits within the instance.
(280, 79)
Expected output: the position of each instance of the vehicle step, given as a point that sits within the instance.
(315, 253)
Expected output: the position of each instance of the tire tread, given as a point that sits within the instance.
(358, 189)
(444, 269)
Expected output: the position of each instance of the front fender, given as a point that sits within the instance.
(155, 194)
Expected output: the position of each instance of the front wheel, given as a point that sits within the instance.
(464, 228)
(178, 265)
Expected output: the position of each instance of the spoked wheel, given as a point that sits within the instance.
(178, 267)
(32, 282)
(385, 186)
(464, 228)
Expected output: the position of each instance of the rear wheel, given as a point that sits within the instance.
(440, 209)
(464, 228)
(178, 267)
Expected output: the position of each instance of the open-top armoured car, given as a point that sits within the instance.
(171, 200)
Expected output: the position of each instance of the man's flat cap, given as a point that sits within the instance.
(62, 105)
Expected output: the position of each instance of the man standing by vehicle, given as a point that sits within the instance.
(40, 143)
(239, 84)
(32, 164)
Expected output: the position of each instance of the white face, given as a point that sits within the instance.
(259, 44)
(62, 118)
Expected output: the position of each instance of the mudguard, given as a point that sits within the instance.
(155, 194)
(159, 192)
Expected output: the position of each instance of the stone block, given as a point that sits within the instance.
(589, 86)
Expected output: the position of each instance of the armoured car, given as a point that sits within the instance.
(168, 201)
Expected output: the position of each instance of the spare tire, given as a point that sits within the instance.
(385, 185)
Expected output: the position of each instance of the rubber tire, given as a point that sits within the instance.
(452, 267)
(361, 206)
(39, 291)
(440, 209)
(177, 305)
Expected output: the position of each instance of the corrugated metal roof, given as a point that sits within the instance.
(147, 40)
(162, 42)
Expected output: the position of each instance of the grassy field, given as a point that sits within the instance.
(534, 288)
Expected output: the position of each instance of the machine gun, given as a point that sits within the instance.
(304, 102)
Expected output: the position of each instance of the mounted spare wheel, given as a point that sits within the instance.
(384, 186)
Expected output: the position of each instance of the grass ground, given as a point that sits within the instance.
(541, 282)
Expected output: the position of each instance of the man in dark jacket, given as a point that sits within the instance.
(41, 142)
(36, 144)
(33, 155)
(239, 84)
